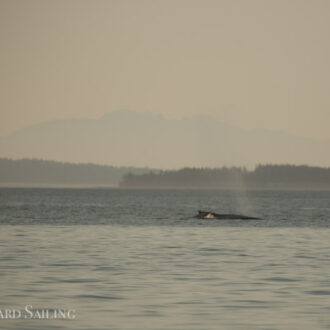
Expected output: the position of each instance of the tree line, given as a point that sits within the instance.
(263, 176)
(37, 171)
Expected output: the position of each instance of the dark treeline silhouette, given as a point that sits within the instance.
(35, 171)
(264, 176)
(186, 177)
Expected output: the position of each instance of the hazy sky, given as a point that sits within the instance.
(253, 63)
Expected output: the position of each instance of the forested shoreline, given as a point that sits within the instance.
(44, 172)
(263, 176)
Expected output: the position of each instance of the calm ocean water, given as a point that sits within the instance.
(137, 259)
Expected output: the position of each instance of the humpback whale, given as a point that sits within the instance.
(212, 215)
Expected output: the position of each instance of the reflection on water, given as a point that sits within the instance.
(176, 276)
(168, 278)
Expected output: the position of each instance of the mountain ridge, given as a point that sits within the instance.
(128, 138)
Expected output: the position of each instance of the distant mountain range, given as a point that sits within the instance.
(127, 138)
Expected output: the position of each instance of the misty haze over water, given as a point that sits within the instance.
(227, 108)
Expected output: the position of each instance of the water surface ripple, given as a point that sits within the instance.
(83, 250)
